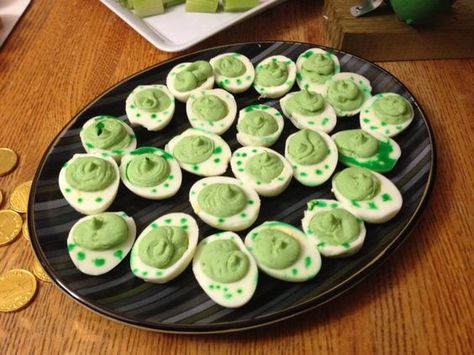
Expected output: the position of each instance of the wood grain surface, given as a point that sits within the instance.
(64, 53)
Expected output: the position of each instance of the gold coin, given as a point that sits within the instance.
(24, 230)
(39, 272)
(19, 197)
(8, 160)
(17, 288)
(10, 226)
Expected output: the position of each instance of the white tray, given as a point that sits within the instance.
(176, 29)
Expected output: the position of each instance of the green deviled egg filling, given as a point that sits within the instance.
(359, 148)
(274, 73)
(386, 114)
(356, 143)
(222, 200)
(264, 167)
(194, 149)
(223, 261)
(258, 123)
(199, 152)
(318, 68)
(307, 147)
(283, 252)
(233, 72)
(275, 249)
(90, 174)
(344, 95)
(101, 232)
(209, 108)
(147, 170)
(393, 109)
(150, 106)
(163, 246)
(152, 100)
(230, 66)
(335, 227)
(98, 243)
(107, 134)
(357, 184)
(193, 76)
(305, 103)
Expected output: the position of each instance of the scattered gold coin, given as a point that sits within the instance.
(8, 161)
(24, 230)
(10, 226)
(17, 289)
(39, 272)
(19, 197)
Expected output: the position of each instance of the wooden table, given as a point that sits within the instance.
(64, 53)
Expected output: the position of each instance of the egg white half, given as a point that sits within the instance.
(362, 82)
(166, 189)
(305, 83)
(383, 207)
(304, 268)
(237, 222)
(371, 162)
(323, 121)
(237, 84)
(217, 127)
(98, 262)
(314, 174)
(157, 275)
(345, 249)
(115, 153)
(233, 294)
(183, 96)
(89, 202)
(275, 187)
(371, 123)
(260, 141)
(274, 92)
(152, 121)
(217, 162)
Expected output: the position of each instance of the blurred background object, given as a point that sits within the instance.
(412, 29)
(10, 13)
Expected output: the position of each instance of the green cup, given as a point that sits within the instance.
(420, 11)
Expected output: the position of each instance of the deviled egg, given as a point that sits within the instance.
(165, 248)
(184, 78)
(347, 93)
(307, 109)
(200, 152)
(233, 72)
(89, 182)
(211, 110)
(313, 156)
(108, 136)
(150, 106)
(225, 203)
(336, 232)
(315, 67)
(283, 252)
(367, 150)
(386, 113)
(151, 173)
(259, 126)
(263, 169)
(275, 76)
(367, 194)
(98, 243)
(225, 270)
